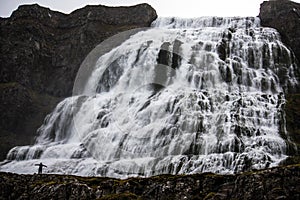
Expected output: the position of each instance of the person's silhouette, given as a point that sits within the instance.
(40, 167)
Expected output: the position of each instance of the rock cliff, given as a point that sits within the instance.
(284, 15)
(41, 52)
(275, 183)
(43, 49)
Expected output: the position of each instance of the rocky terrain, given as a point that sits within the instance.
(284, 16)
(41, 52)
(275, 183)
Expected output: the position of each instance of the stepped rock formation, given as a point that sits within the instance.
(33, 79)
(284, 16)
(275, 183)
(41, 52)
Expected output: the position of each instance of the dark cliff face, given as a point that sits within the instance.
(284, 16)
(22, 111)
(42, 49)
(276, 183)
(41, 52)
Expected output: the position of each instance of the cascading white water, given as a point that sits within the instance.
(186, 96)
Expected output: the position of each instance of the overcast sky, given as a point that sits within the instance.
(180, 8)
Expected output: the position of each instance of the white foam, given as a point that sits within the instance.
(212, 115)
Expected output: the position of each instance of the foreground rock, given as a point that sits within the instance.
(275, 183)
(41, 52)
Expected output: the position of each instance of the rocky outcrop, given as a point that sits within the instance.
(22, 111)
(284, 15)
(292, 110)
(43, 49)
(275, 183)
(41, 52)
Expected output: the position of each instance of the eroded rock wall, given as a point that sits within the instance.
(284, 15)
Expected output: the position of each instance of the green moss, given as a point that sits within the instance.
(51, 183)
(94, 182)
(121, 196)
(278, 191)
(8, 85)
(209, 174)
(167, 177)
(211, 195)
(293, 165)
(44, 182)
(291, 160)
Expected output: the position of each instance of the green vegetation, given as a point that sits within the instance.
(8, 85)
(210, 195)
(279, 181)
(121, 196)
(94, 182)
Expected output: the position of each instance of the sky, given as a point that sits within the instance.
(164, 8)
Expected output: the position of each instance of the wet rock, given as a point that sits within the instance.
(222, 50)
(225, 73)
(176, 58)
(165, 54)
(168, 59)
(284, 16)
(110, 76)
(223, 45)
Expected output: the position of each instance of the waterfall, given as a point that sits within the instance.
(185, 96)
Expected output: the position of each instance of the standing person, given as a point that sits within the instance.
(40, 167)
